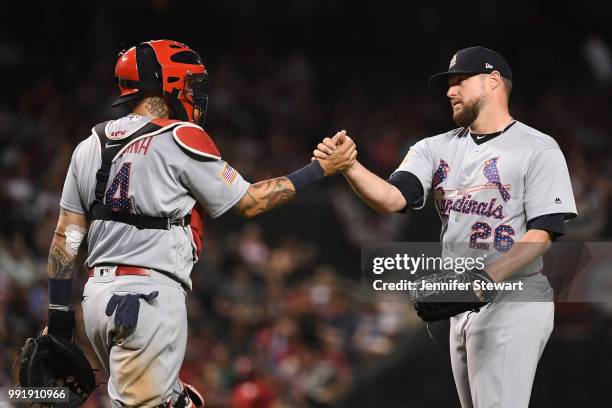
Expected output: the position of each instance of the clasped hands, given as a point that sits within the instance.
(336, 154)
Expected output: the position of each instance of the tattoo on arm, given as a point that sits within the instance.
(274, 192)
(59, 264)
(266, 195)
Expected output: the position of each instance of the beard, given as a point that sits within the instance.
(468, 113)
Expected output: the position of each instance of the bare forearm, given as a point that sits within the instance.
(373, 190)
(532, 245)
(265, 195)
(60, 264)
(69, 234)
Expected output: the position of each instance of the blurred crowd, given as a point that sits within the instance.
(274, 322)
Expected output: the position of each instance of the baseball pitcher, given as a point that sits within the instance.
(502, 188)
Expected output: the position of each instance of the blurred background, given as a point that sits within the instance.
(277, 316)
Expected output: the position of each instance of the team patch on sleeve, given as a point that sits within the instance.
(228, 174)
(195, 140)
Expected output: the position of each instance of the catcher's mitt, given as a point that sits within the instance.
(437, 297)
(55, 361)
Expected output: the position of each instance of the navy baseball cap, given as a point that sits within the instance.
(475, 60)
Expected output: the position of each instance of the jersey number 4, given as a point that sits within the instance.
(502, 241)
(117, 194)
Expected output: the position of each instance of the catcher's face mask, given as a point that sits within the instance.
(195, 93)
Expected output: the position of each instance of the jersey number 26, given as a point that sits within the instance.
(502, 240)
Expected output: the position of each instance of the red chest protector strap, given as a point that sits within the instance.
(98, 210)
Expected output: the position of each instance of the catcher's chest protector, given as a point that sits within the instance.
(111, 148)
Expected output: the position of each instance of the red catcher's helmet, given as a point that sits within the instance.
(165, 66)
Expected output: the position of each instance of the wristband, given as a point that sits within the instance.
(306, 176)
(60, 323)
(59, 291)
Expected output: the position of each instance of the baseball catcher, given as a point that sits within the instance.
(139, 188)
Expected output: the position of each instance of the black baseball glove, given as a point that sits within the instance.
(55, 361)
(440, 295)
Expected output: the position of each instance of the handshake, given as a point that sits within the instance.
(336, 154)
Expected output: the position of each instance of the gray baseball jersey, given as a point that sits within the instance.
(486, 193)
(153, 176)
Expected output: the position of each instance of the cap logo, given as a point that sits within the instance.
(488, 66)
(453, 61)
